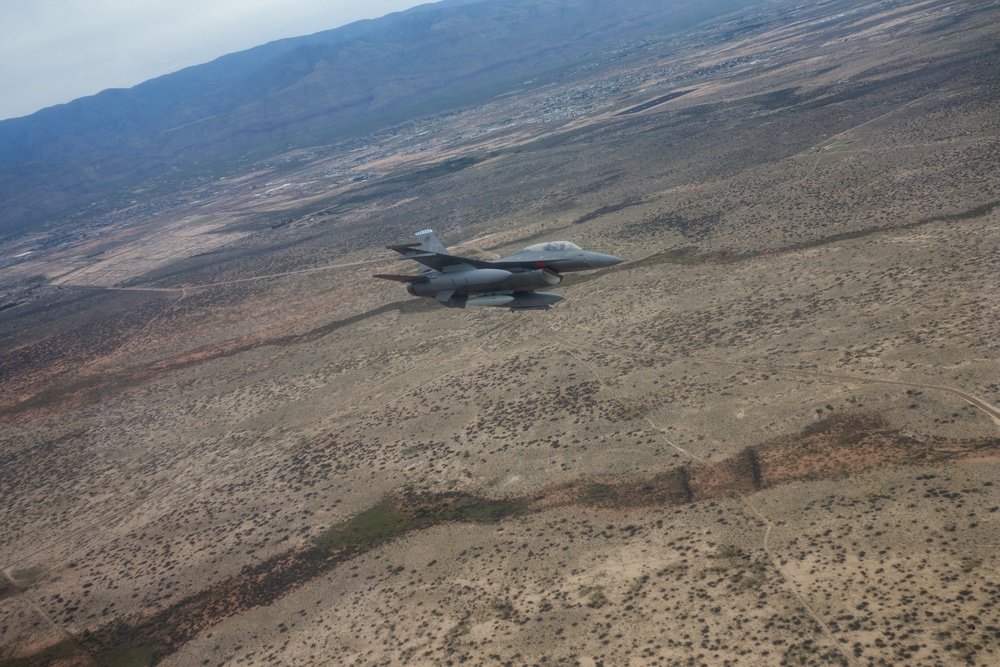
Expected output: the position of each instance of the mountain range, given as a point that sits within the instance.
(307, 91)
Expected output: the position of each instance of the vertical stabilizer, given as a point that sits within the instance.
(430, 243)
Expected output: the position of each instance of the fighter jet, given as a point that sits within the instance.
(457, 282)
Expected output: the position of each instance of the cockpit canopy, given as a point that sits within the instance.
(550, 246)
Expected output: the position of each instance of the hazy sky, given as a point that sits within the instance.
(54, 51)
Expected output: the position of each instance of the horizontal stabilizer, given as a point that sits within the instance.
(403, 247)
(420, 255)
(437, 260)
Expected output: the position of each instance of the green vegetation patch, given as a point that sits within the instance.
(368, 529)
(490, 511)
(129, 656)
(414, 511)
(65, 651)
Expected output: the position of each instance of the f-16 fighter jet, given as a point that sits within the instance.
(457, 282)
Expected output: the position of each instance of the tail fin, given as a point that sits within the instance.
(430, 243)
(429, 251)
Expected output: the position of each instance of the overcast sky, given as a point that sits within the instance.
(54, 51)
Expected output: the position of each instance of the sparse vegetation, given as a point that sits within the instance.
(737, 447)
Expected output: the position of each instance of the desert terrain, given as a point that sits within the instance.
(771, 437)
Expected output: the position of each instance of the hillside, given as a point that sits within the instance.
(306, 91)
(770, 437)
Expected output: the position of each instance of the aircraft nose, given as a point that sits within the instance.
(598, 260)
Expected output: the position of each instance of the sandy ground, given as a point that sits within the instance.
(770, 437)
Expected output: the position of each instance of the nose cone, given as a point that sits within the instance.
(598, 260)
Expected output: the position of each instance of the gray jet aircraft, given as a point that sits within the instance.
(457, 282)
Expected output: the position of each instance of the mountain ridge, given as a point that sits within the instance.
(332, 84)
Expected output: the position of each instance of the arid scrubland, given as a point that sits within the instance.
(771, 437)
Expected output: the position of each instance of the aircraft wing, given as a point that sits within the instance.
(437, 260)
(401, 279)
